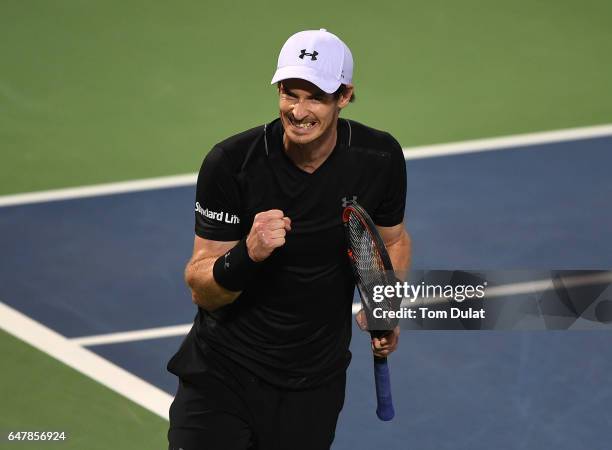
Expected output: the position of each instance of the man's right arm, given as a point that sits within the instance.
(205, 291)
(267, 233)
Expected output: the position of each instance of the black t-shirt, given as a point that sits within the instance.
(292, 325)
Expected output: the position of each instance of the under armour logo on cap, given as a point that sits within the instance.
(313, 55)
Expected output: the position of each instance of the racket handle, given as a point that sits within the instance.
(382, 379)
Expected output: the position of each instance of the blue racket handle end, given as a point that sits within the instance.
(382, 379)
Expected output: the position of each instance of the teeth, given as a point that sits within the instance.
(304, 125)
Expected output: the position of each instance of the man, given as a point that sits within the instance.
(264, 365)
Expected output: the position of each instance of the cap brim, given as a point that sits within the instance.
(306, 73)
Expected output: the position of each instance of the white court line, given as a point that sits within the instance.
(429, 151)
(85, 361)
(136, 335)
(99, 190)
(148, 333)
(526, 287)
(507, 142)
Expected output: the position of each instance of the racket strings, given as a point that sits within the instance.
(366, 254)
(370, 269)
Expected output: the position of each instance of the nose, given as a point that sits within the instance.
(299, 111)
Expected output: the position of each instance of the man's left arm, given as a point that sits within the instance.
(399, 245)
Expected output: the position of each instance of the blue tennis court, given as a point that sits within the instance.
(113, 263)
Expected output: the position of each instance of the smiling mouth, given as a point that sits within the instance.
(303, 124)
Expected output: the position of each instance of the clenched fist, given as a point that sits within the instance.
(267, 233)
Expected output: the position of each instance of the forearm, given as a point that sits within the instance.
(205, 291)
(400, 253)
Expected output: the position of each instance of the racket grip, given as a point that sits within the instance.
(382, 379)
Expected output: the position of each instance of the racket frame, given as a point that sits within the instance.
(384, 409)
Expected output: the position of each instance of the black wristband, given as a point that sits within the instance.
(235, 269)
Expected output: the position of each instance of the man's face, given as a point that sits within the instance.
(307, 112)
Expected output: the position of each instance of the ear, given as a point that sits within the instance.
(344, 100)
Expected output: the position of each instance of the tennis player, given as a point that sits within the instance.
(264, 364)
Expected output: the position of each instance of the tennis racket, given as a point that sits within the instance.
(371, 266)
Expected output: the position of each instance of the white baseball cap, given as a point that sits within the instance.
(317, 56)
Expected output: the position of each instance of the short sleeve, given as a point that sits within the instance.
(390, 212)
(217, 205)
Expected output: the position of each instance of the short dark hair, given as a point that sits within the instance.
(339, 92)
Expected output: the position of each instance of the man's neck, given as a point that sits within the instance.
(309, 157)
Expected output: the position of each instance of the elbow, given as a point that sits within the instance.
(191, 281)
(204, 291)
(199, 299)
(195, 298)
(198, 296)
